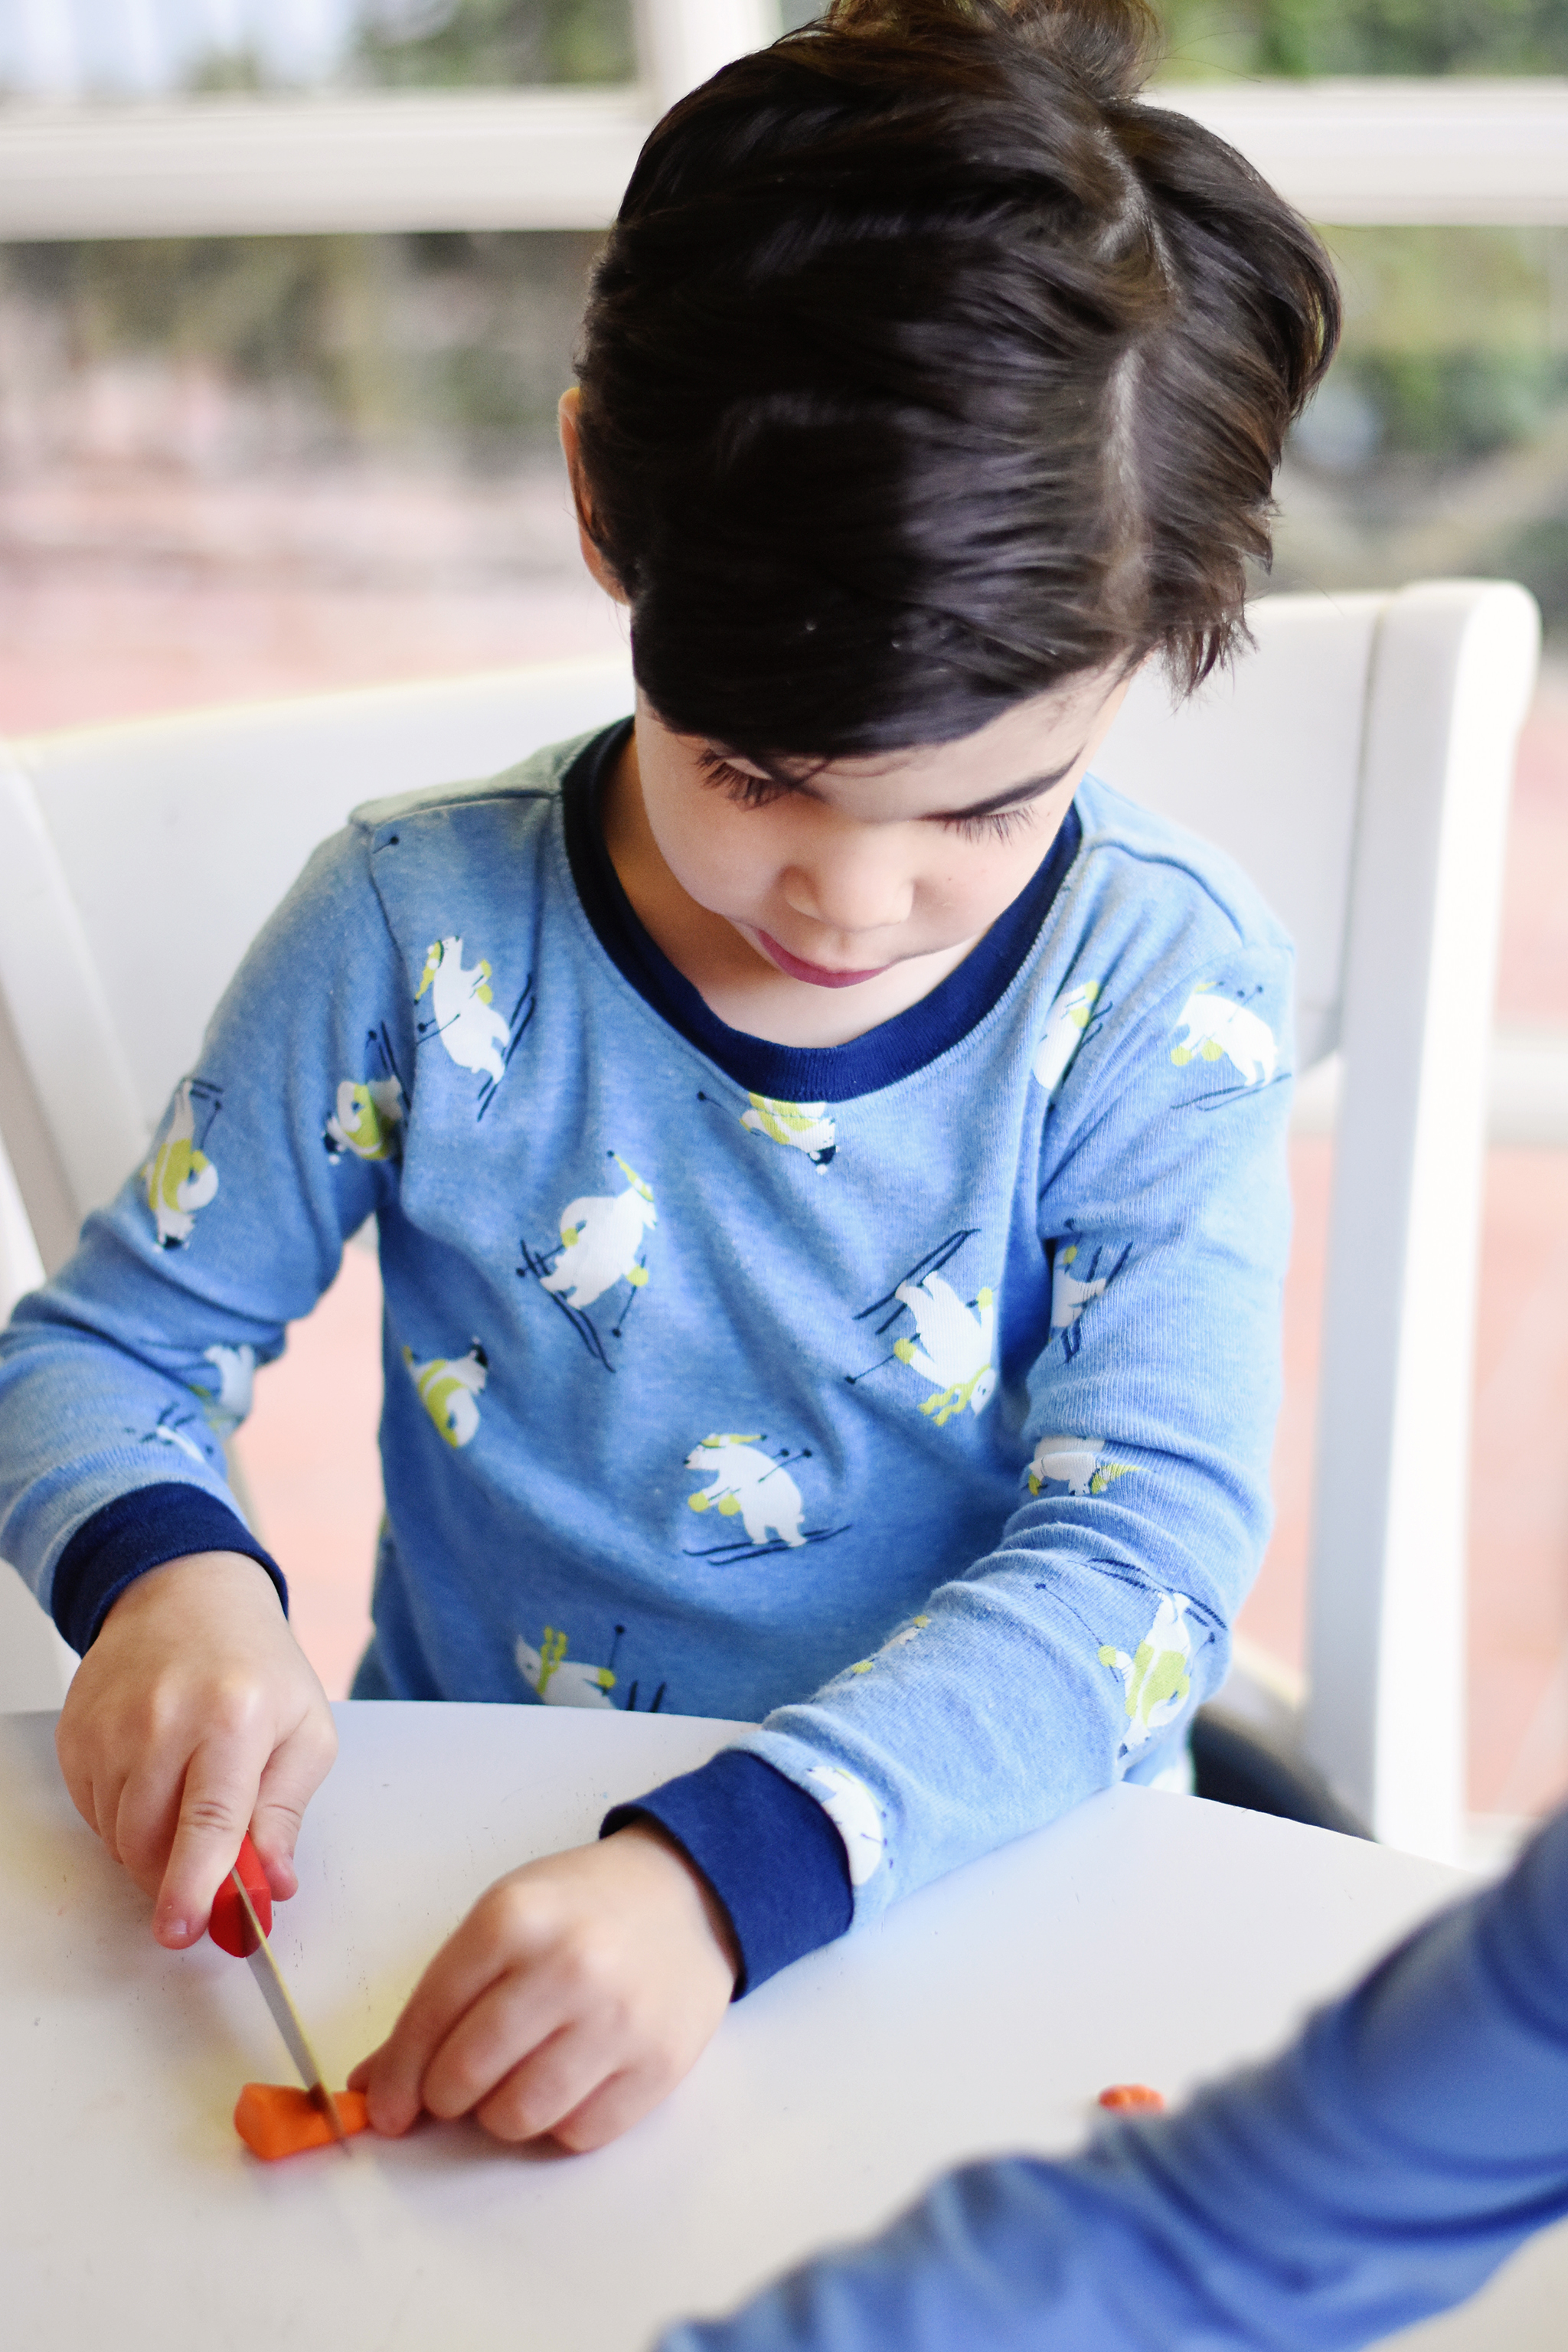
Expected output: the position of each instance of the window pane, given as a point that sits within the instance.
(120, 48)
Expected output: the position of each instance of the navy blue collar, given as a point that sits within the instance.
(831, 1074)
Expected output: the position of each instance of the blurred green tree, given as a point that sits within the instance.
(435, 43)
(1366, 37)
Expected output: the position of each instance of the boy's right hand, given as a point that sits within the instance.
(194, 1716)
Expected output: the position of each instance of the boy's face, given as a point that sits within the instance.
(871, 864)
(811, 912)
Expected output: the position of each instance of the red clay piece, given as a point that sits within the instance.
(277, 2119)
(1132, 2095)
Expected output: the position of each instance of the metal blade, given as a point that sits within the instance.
(285, 2017)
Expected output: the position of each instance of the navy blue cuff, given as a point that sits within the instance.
(134, 1533)
(767, 1850)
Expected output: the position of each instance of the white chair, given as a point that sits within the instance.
(1359, 766)
(1357, 763)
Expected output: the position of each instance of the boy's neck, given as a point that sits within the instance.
(734, 980)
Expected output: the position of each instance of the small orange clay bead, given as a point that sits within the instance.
(1131, 2094)
(275, 2119)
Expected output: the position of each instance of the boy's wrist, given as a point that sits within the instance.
(145, 1529)
(652, 1832)
(768, 1852)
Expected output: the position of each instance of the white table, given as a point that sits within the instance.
(1145, 1937)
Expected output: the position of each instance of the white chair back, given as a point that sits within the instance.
(1356, 764)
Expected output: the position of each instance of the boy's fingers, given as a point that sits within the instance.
(295, 1770)
(360, 2078)
(215, 1806)
(465, 1966)
(521, 2031)
(141, 1831)
(619, 2103)
(563, 2073)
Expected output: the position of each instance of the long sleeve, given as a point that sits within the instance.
(1138, 1352)
(1376, 2172)
(121, 1378)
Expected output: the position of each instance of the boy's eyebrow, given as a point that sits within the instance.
(1012, 796)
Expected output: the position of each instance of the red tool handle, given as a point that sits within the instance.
(228, 1927)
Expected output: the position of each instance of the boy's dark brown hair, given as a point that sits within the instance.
(926, 365)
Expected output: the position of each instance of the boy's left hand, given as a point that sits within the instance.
(575, 1994)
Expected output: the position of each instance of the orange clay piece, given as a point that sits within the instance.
(1132, 2095)
(275, 2119)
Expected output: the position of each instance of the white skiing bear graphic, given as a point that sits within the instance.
(236, 1370)
(761, 1490)
(1069, 1016)
(166, 1433)
(1068, 1295)
(466, 1022)
(806, 1126)
(1077, 1463)
(1217, 1026)
(367, 1119)
(562, 1681)
(179, 1179)
(601, 1236)
(1156, 1680)
(447, 1390)
(953, 1350)
(852, 1809)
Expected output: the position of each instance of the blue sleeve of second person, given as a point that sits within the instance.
(1376, 2172)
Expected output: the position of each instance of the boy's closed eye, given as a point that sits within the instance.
(997, 818)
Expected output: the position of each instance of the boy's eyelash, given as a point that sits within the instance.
(1000, 826)
(747, 791)
(758, 792)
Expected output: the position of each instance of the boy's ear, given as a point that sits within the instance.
(566, 416)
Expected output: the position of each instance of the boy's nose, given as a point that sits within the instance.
(852, 888)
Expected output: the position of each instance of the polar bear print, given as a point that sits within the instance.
(1155, 1679)
(236, 1370)
(447, 1390)
(1068, 1017)
(178, 1179)
(601, 1235)
(367, 1121)
(805, 1125)
(759, 1488)
(562, 1681)
(169, 1433)
(1070, 1293)
(953, 1349)
(853, 1811)
(1077, 1463)
(464, 1013)
(1217, 1025)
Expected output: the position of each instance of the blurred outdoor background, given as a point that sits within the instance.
(242, 466)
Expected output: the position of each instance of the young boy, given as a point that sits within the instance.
(828, 1155)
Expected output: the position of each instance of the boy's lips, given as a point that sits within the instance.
(796, 967)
